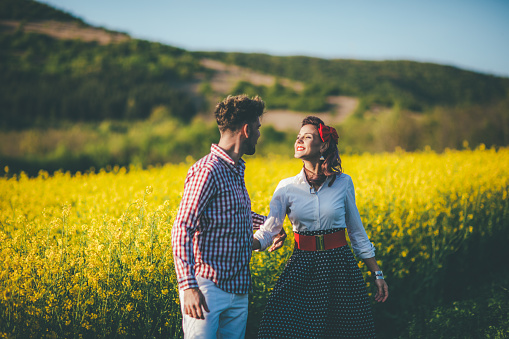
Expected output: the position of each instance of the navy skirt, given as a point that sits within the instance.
(320, 294)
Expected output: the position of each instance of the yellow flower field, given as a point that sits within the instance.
(90, 254)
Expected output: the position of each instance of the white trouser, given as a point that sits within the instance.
(227, 317)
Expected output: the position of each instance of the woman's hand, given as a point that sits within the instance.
(382, 290)
(279, 240)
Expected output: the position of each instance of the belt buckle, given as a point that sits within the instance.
(320, 242)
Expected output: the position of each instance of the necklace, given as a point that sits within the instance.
(314, 179)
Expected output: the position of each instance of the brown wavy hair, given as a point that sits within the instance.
(332, 163)
(235, 111)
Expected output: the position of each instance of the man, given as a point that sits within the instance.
(212, 235)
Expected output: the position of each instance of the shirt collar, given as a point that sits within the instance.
(301, 177)
(220, 153)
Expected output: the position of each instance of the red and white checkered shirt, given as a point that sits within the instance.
(212, 235)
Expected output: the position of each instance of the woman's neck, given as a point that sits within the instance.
(312, 166)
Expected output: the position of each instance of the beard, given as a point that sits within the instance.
(250, 149)
(250, 143)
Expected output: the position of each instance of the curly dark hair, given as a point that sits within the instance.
(235, 111)
(332, 163)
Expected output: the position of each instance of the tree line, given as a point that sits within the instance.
(31, 10)
(44, 81)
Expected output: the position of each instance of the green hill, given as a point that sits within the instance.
(44, 81)
(408, 84)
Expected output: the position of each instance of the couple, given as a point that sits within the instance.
(321, 293)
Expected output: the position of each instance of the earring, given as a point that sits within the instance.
(322, 158)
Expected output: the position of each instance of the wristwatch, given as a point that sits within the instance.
(378, 274)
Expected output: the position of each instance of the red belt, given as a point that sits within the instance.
(320, 242)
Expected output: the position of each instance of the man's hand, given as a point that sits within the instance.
(278, 241)
(256, 244)
(194, 301)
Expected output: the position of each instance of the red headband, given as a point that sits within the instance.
(327, 132)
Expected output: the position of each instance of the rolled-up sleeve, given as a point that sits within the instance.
(274, 222)
(258, 220)
(361, 245)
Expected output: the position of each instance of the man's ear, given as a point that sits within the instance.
(246, 131)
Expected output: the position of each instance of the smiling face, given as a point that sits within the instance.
(308, 144)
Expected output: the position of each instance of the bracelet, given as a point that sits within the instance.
(379, 275)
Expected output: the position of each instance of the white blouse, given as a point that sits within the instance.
(311, 210)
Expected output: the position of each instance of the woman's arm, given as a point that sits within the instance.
(272, 232)
(360, 242)
(361, 245)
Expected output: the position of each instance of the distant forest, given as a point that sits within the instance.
(136, 101)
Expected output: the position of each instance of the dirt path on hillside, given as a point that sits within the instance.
(227, 76)
(290, 120)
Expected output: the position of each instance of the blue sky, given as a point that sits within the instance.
(470, 34)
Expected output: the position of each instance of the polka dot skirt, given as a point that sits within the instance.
(320, 294)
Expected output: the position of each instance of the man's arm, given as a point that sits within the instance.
(198, 190)
(258, 220)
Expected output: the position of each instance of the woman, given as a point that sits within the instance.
(321, 293)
